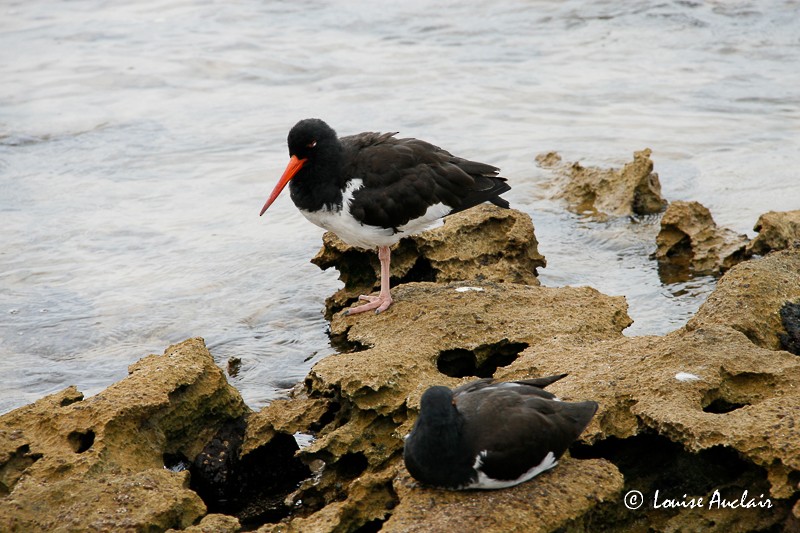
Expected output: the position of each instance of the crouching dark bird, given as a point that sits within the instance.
(372, 189)
(486, 435)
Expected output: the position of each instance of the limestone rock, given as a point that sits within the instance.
(690, 241)
(749, 298)
(74, 464)
(776, 231)
(361, 403)
(482, 243)
(533, 507)
(632, 190)
(715, 398)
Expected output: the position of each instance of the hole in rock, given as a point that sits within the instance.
(177, 462)
(721, 406)
(459, 362)
(80, 441)
(373, 526)
(351, 465)
(252, 488)
(651, 462)
(421, 271)
(328, 416)
(342, 343)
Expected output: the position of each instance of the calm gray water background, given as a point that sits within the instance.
(138, 143)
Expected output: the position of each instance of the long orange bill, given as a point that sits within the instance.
(291, 169)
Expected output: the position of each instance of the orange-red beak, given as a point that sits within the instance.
(291, 169)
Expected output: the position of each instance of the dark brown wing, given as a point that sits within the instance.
(403, 177)
(517, 431)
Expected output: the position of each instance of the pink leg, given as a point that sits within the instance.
(381, 302)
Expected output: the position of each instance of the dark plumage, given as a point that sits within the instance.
(372, 189)
(486, 435)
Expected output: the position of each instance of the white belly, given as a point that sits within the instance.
(355, 233)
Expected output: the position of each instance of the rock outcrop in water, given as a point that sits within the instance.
(712, 408)
(482, 243)
(691, 242)
(632, 190)
(776, 231)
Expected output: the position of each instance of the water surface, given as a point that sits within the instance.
(138, 143)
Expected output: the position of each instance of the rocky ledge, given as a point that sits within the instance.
(711, 408)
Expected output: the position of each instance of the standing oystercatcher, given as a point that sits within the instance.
(372, 189)
(486, 435)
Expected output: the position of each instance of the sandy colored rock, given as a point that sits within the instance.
(482, 243)
(690, 242)
(74, 464)
(213, 523)
(749, 298)
(776, 231)
(537, 506)
(632, 190)
(372, 393)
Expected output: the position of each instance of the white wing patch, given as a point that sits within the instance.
(485, 482)
(355, 233)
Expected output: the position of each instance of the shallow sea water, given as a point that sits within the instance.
(138, 143)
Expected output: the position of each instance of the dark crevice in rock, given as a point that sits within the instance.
(459, 362)
(177, 462)
(254, 487)
(327, 417)
(421, 271)
(790, 318)
(721, 406)
(342, 343)
(651, 462)
(351, 465)
(15, 466)
(372, 526)
(80, 441)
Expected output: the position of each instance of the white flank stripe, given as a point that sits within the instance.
(365, 236)
(485, 482)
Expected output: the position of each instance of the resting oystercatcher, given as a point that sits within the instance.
(372, 189)
(486, 435)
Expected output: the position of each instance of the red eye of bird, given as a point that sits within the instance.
(312, 144)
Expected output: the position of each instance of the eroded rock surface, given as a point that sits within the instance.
(705, 408)
(691, 242)
(632, 190)
(482, 243)
(74, 464)
(777, 230)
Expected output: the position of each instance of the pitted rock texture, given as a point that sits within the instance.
(632, 190)
(777, 230)
(691, 242)
(484, 243)
(74, 464)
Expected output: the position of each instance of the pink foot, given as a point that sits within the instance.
(380, 303)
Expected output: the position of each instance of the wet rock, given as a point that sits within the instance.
(690, 242)
(99, 463)
(632, 190)
(776, 231)
(482, 243)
